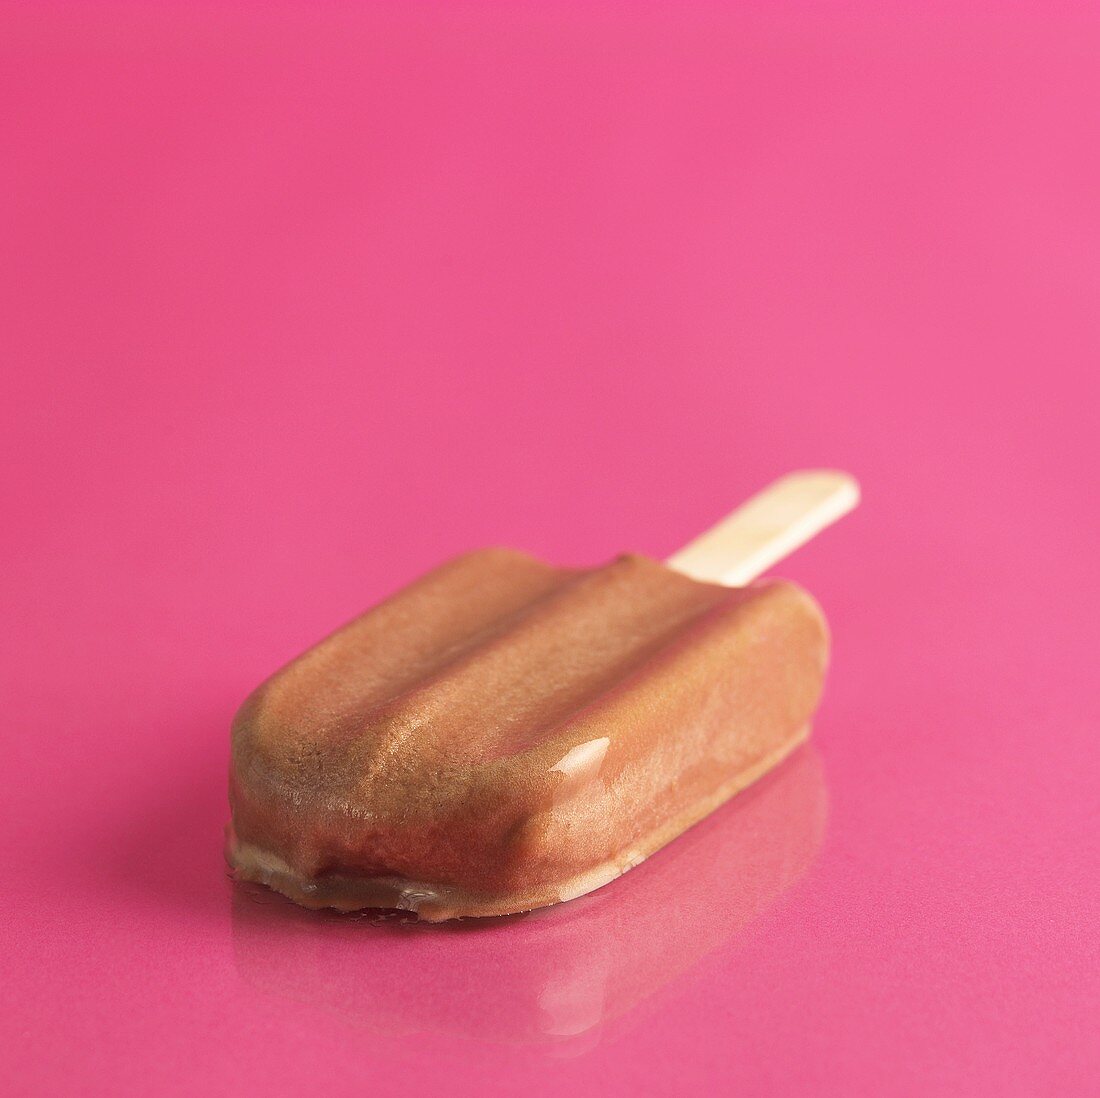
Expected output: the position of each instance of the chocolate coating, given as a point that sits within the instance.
(502, 734)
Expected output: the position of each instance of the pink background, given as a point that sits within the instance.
(300, 299)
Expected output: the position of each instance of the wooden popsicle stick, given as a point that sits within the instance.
(767, 527)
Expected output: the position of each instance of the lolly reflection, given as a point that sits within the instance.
(561, 972)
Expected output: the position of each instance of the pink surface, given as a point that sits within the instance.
(298, 301)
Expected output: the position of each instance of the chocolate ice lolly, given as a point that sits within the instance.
(504, 734)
